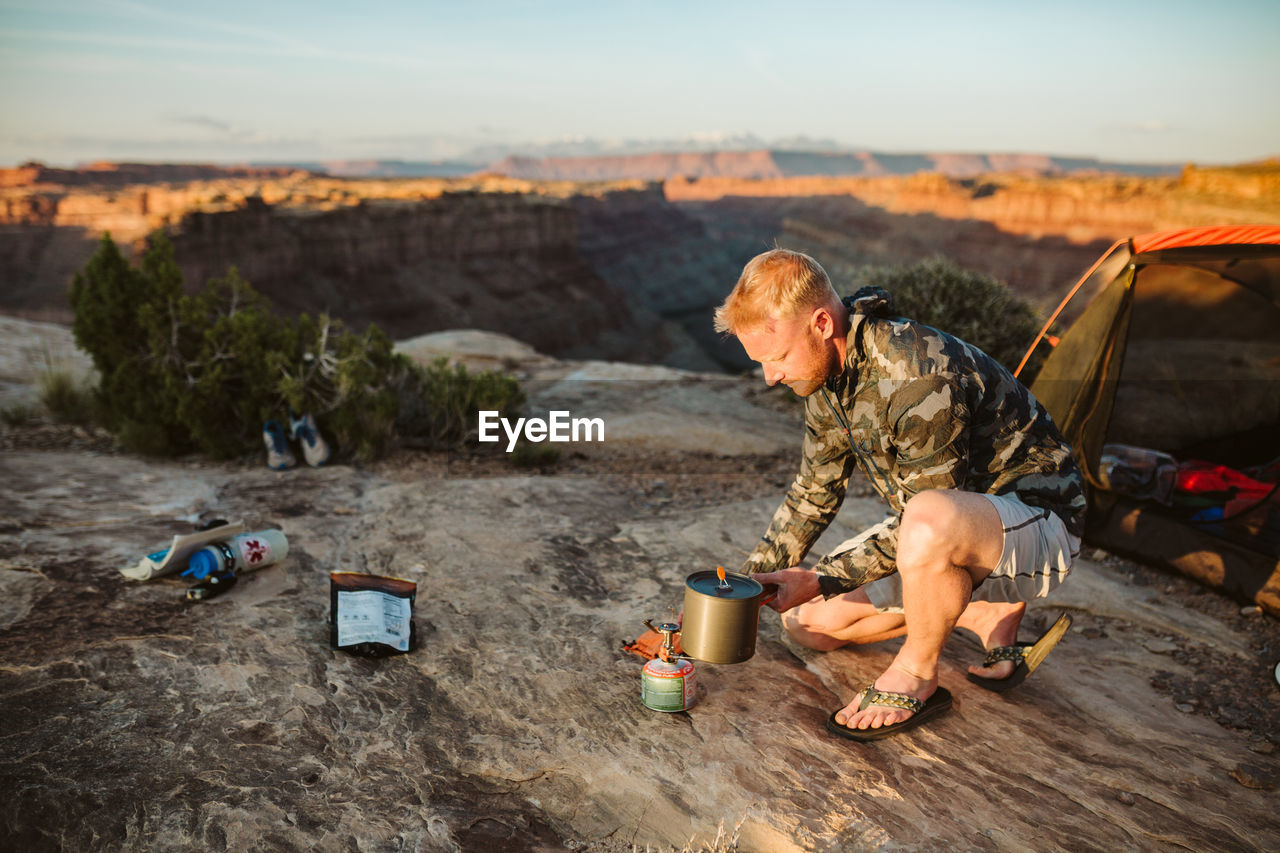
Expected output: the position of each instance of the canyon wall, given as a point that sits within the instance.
(48, 231)
(1251, 181)
(1036, 234)
(492, 261)
(1080, 209)
(104, 174)
(623, 269)
(427, 260)
(670, 264)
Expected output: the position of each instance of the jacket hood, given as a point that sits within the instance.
(866, 302)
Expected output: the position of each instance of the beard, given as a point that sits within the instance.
(804, 387)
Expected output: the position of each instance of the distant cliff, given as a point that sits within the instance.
(1249, 181)
(1037, 234)
(764, 164)
(123, 174)
(1081, 208)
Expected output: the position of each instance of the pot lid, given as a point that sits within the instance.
(740, 586)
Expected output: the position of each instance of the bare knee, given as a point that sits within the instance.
(944, 529)
(927, 531)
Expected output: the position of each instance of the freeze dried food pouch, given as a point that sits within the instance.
(371, 615)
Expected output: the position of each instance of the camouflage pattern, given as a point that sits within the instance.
(924, 410)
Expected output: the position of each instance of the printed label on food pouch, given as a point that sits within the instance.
(370, 616)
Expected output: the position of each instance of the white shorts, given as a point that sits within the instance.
(1036, 557)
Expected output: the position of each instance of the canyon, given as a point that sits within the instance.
(619, 269)
(140, 720)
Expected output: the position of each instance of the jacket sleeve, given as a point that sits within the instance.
(928, 422)
(813, 499)
(869, 556)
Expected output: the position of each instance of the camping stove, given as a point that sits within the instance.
(667, 682)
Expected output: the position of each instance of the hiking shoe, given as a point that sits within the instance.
(279, 455)
(314, 448)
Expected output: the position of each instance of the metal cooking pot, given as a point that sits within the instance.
(720, 619)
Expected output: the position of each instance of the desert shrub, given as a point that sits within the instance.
(182, 372)
(530, 455)
(970, 305)
(440, 403)
(69, 400)
(16, 415)
(119, 311)
(352, 379)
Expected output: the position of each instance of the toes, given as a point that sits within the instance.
(872, 718)
(848, 712)
(877, 719)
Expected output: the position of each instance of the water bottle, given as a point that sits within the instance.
(245, 552)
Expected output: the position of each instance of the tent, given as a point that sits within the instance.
(1177, 354)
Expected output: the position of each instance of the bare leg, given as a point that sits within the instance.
(850, 618)
(947, 542)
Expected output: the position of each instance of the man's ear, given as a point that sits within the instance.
(821, 321)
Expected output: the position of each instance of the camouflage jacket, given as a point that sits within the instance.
(915, 409)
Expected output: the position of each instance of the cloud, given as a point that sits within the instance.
(1150, 126)
(213, 124)
(220, 130)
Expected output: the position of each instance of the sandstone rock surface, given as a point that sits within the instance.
(644, 407)
(131, 719)
(30, 350)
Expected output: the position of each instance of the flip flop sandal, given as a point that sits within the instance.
(1028, 656)
(938, 703)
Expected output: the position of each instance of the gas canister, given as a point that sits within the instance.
(667, 682)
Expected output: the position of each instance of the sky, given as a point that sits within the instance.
(237, 81)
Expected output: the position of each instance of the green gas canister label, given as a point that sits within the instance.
(667, 686)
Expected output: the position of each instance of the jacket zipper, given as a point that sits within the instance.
(837, 409)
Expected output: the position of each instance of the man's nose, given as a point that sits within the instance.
(771, 375)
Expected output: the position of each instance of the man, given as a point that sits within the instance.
(987, 506)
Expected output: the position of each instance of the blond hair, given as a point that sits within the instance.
(774, 285)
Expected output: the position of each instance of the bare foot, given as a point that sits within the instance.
(995, 624)
(999, 669)
(893, 680)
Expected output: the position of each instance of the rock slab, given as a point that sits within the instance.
(131, 719)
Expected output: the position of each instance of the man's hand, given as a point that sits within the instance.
(795, 586)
